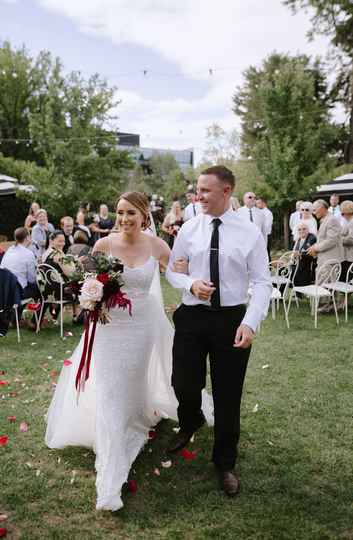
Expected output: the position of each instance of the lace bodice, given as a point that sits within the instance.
(138, 280)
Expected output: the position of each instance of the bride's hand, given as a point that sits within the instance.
(181, 266)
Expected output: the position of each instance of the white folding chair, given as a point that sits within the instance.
(326, 275)
(345, 287)
(47, 276)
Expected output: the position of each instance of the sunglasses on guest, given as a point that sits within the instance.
(305, 209)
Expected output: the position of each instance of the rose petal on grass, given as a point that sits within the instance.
(2, 372)
(157, 472)
(13, 394)
(4, 440)
(68, 352)
(38, 472)
(132, 486)
(152, 434)
(24, 427)
(68, 334)
(3, 383)
(256, 408)
(3, 517)
(50, 357)
(270, 443)
(3, 532)
(166, 464)
(29, 464)
(187, 454)
(265, 366)
(33, 344)
(11, 419)
(67, 362)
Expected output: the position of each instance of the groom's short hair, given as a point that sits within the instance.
(223, 174)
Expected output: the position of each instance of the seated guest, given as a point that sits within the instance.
(68, 232)
(40, 233)
(31, 219)
(80, 247)
(22, 263)
(80, 226)
(347, 237)
(306, 211)
(305, 273)
(54, 257)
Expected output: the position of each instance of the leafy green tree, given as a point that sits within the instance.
(286, 126)
(334, 18)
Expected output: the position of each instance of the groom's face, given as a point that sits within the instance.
(213, 194)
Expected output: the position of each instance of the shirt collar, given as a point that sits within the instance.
(228, 214)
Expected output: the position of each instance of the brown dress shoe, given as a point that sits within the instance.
(229, 483)
(179, 442)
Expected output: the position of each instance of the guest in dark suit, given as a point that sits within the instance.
(306, 266)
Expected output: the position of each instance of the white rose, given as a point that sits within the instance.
(91, 292)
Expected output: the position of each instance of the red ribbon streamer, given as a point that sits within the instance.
(85, 362)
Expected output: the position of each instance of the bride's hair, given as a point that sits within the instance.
(139, 201)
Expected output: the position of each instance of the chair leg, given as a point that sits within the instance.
(273, 306)
(335, 307)
(39, 320)
(61, 320)
(296, 300)
(289, 300)
(17, 325)
(316, 305)
(346, 307)
(286, 309)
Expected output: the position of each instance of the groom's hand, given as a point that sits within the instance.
(243, 337)
(203, 290)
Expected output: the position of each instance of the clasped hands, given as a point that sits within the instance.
(203, 290)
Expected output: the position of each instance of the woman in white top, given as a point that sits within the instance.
(306, 212)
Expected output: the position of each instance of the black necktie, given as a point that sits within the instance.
(194, 209)
(251, 216)
(214, 268)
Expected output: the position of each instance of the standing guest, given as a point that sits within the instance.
(295, 216)
(329, 237)
(80, 247)
(80, 226)
(22, 263)
(172, 222)
(102, 224)
(249, 212)
(306, 212)
(68, 232)
(335, 209)
(261, 204)
(41, 232)
(347, 237)
(305, 273)
(31, 219)
(193, 207)
(214, 319)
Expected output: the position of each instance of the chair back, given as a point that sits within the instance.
(47, 276)
(328, 273)
(349, 277)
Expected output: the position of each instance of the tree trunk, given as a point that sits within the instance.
(286, 229)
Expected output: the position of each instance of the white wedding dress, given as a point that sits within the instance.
(128, 390)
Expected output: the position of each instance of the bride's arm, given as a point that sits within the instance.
(162, 255)
(101, 245)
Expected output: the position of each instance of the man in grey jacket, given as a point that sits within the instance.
(329, 237)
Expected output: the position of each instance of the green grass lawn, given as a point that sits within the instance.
(295, 458)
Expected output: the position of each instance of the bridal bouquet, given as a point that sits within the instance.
(99, 292)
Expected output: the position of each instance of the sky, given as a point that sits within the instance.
(175, 63)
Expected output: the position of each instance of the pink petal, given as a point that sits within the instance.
(23, 427)
(157, 472)
(4, 440)
(67, 362)
(11, 418)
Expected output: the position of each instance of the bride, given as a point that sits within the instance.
(129, 388)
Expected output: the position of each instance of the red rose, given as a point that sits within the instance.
(4, 440)
(3, 532)
(103, 278)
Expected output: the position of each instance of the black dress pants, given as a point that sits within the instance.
(201, 332)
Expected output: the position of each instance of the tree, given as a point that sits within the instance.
(334, 18)
(285, 115)
(221, 147)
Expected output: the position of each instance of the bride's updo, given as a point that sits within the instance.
(139, 201)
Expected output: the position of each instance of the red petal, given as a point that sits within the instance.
(4, 383)
(186, 454)
(132, 486)
(2, 372)
(152, 434)
(67, 362)
(33, 307)
(3, 532)
(4, 440)
(11, 418)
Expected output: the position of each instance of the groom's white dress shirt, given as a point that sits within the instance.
(243, 262)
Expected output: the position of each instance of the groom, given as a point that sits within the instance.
(225, 254)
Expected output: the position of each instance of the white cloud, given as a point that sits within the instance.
(196, 35)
